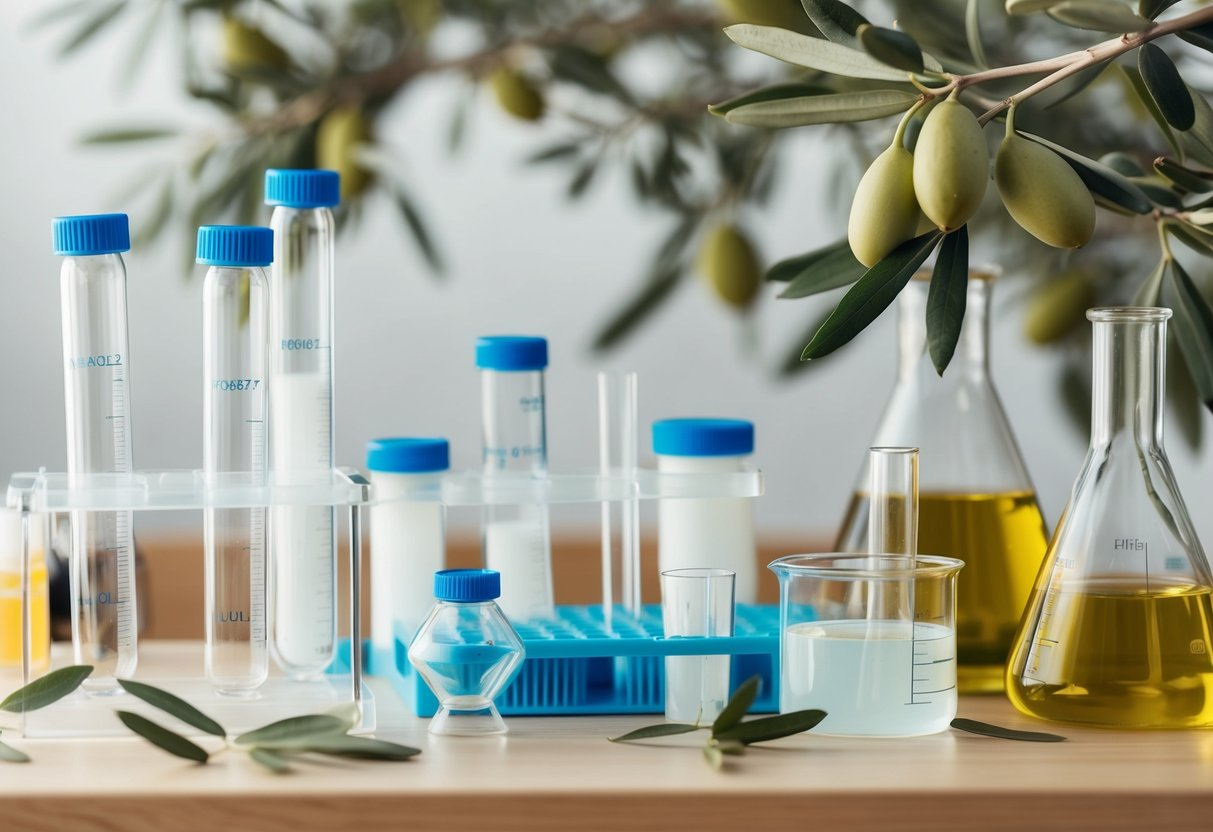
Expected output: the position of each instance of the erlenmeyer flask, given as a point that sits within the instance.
(976, 501)
(1118, 632)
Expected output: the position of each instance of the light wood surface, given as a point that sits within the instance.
(562, 774)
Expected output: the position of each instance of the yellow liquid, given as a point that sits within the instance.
(11, 618)
(1002, 540)
(1118, 659)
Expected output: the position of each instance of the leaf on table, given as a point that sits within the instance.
(296, 728)
(871, 295)
(738, 705)
(714, 757)
(173, 705)
(271, 760)
(772, 727)
(346, 745)
(12, 755)
(46, 690)
(985, 729)
(946, 297)
(665, 729)
(163, 738)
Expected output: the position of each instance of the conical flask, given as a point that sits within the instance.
(1118, 632)
(976, 502)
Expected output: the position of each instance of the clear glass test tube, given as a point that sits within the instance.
(697, 603)
(617, 456)
(892, 528)
(235, 306)
(516, 538)
(303, 546)
(97, 397)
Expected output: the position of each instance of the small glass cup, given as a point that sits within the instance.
(870, 639)
(696, 603)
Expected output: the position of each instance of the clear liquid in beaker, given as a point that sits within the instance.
(872, 678)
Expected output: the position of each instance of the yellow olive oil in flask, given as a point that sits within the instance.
(1118, 631)
(976, 502)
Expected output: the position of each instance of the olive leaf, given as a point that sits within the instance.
(163, 738)
(1198, 141)
(1153, 8)
(1136, 83)
(174, 706)
(1100, 179)
(775, 92)
(1185, 405)
(738, 705)
(103, 17)
(769, 728)
(342, 745)
(12, 755)
(294, 729)
(1122, 163)
(818, 271)
(1193, 327)
(1201, 36)
(713, 756)
(271, 760)
(946, 297)
(837, 21)
(1192, 181)
(1025, 7)
(1166, 87)
(891, 47)
(811, 53)
(120, 135)
(1077, 83)
(871, 295)
(837, 108)
(1149, 291)
(986, 729)
(141, 42)
(1098, 15)
(973, 33)
(656, 290)
(664, 729)
(46, 690)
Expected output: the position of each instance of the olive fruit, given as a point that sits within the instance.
(1058, 307)
(730, 265)
(951, 165)
(517, 94)
(1043, 193)
(339, 132)
(884, 212)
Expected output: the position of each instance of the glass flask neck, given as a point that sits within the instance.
(1128, 382)
(972, 350)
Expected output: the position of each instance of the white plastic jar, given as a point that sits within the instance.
(408, 537)
(707, 533)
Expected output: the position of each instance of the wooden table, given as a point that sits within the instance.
(562, 774)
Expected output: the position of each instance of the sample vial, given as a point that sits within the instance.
(407, 536)
(303, 548)
(706, 533)
(96, 383)
(467, 652)
(516, 539)
(13, 622)
(235, 310)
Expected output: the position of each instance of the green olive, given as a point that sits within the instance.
(951, 165)
(730, 265)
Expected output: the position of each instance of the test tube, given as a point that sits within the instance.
(892, 528)
(92, 284)
(516, 539)
(303, 548)
(617, 456)
(235, 301)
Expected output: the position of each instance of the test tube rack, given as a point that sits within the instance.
(82, 714)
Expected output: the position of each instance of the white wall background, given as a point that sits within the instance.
(520, 260)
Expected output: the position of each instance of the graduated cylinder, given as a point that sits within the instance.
(234, 330)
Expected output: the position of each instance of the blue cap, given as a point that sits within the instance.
(467, 585)
(235, 245)
(408, 455)
(92, 234)
(703, 437)
(302, 188)
(511, 352)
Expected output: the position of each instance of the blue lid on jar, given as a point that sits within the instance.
(511, 353)
(302, 188)
(703, 437)
(467, 586)
(235, 246)
(90, 234)
(408, 455)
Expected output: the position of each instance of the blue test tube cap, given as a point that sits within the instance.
(303, 188)
(235, 246)
(511, 353)
(408, 455)
(468, 586)
(703, 437)
(89, 234)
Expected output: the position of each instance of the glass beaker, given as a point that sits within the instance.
(840, 651)
(1119, 631)
(976, 501)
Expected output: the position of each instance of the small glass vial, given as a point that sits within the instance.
(235, 309)
(407, 535)
(713, 533)
(467, 652)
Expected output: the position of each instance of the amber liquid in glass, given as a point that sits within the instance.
(1114, 654)
(1002, 540)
